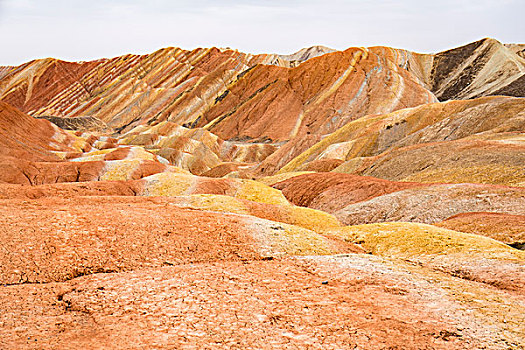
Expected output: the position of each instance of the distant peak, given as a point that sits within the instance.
(307, 53)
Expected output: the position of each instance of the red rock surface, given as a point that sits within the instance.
(33, 85)
(79, 236)
(367, 303)
(431, 204)
(332, 191)
(29, 139)
(316, 97)
(70, 189)
(509, 229)
(109, 239)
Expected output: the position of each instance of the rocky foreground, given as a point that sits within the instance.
(371, 198)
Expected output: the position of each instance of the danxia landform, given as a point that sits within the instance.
(371, 198)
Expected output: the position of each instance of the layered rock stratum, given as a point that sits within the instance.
(371, 198)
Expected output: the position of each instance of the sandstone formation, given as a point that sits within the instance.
(263, 98)
(485, 67)
(371, 198)
(195, 149)
(198, 87)
(23, 137)
(435, 203)
(463, 255)
(305, 54)
(506, 228)
(332, 191)
(476, 140)
(492, 211)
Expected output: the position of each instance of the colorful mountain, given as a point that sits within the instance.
(371, 198)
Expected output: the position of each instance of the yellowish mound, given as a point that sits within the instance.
(311, 219)
(271, 180)
(171, 184)
(283, 239)
(498, 174)
(259, 192)
(120, 170)
(405, 240)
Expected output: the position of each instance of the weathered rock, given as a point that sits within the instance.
(490, 162)
(173, 184)
(86, 235)
(315, 220)
(331, 192)
(109, 239)
(196, 150)
(29, 139)
(435, 203)
(369, 302)
(506, 228)
(467, 256)
(422, 138)
(482, 68)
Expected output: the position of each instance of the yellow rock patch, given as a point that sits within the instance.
(284, 239)
(168, 184)
(172, 184)
(213, 202)
(258, 192)
(496, 174)
(116, 170)
(311, 219)
(271, 180)
(405, 240)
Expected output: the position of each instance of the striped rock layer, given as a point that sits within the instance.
(479, 140)
(211, 198)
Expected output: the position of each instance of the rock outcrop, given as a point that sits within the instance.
(331, 192)
(217, 199)
(431, 204)
(506, 228)
(476, 140)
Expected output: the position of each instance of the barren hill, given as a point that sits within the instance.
(368, 198)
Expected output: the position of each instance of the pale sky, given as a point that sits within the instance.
(87, 29)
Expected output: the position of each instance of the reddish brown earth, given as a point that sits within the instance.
(509, 229)
(332, 191)
(37, 173)
(316, 97)
(52, 78)
(109, 239)
(29, 139)
(35, 151)
(70, 189)
(76, 236)
(282, 303)
(435, 203)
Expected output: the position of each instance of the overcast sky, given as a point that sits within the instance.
(88, 29)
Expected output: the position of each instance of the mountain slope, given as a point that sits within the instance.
(454, 136)
(482, 68)
(150, 223)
